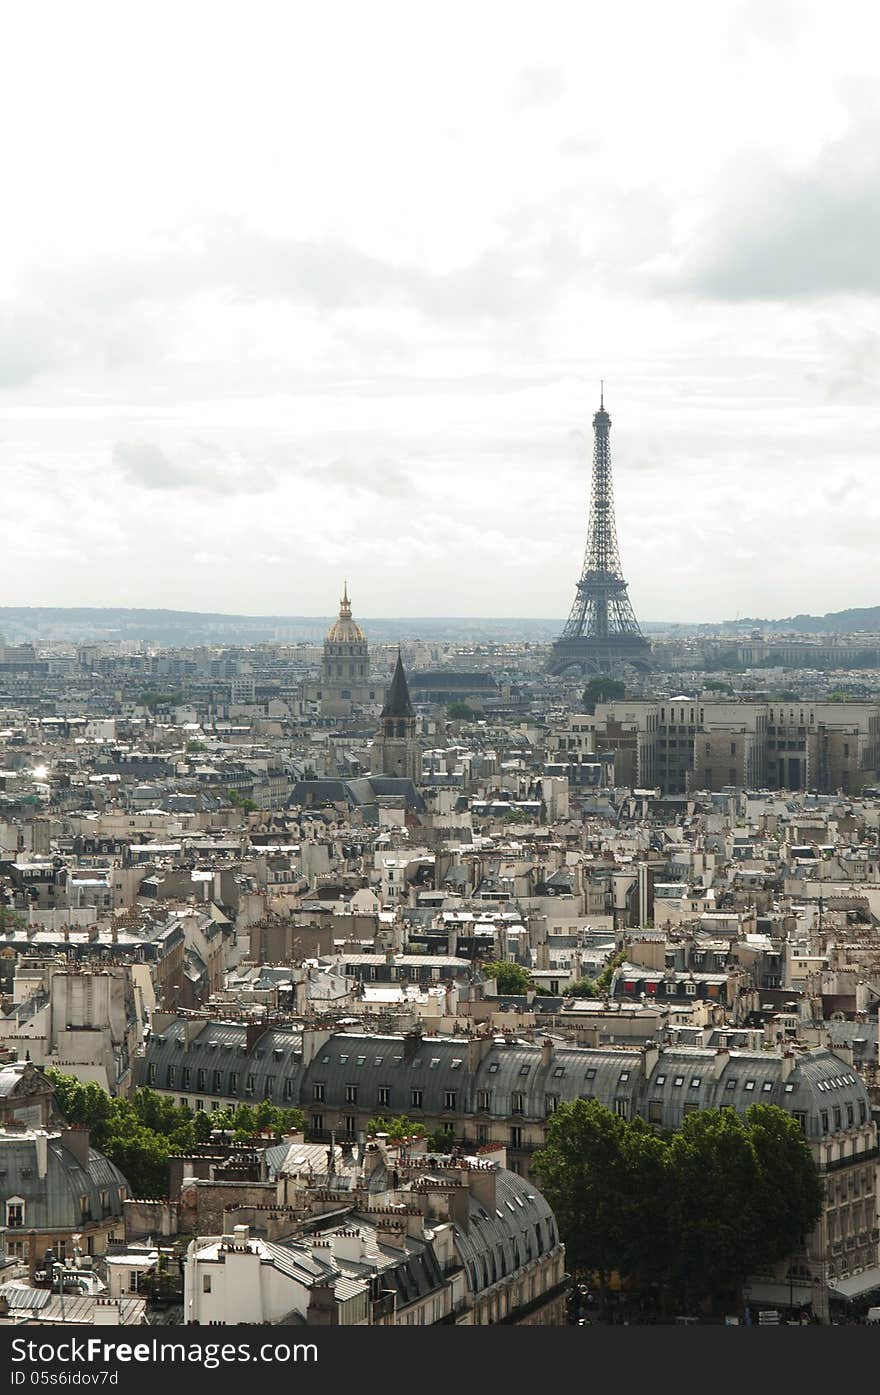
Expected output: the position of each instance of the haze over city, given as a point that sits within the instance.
(330, 294)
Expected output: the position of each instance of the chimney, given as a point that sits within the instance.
(788, 1064)
(254, 1031)
(312, 1041)
(477, 1048)
(41, 1139)
(76, 1140)
(241, 1234)
(650, 1058)
(547, 1051)
(720, 1062)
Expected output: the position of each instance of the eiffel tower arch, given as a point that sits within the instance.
(602, 631)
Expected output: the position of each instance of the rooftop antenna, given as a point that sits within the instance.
(601, 394)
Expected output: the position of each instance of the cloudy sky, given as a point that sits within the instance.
(293, 292)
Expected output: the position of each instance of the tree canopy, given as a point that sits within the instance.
(695, 1213)
(581, 988)
(602, 689)
(509, 977)
(139, 1132)
(462, 712)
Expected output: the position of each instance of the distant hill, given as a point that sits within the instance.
(48, 624)
(835, 622)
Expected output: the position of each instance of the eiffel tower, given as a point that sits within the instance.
(602, 630)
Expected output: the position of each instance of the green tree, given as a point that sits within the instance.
(602, 690)
(442, 1140)
(142, 1157)
(462, 712)
(586, 1175)
(693, 1213)
(581, 988)
(509, 977)
(790, 1193)
(396, 1126)
(714, 1178)
(603, 982)
(238, 801)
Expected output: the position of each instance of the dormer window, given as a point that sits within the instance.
(15, 1212)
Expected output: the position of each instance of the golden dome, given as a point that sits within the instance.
(345, 630)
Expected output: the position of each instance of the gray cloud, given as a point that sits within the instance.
(798, 236)
(206, 471)
(383, 478)
(245, 265)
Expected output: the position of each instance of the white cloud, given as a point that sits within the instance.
(337, 286)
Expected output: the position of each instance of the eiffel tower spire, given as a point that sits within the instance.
(602, 630)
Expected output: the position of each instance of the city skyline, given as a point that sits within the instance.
(250, 346)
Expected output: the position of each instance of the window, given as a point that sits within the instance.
(206, 1283)
(15, 1212)
(767, 1087)
(690, 989)
(678, 1082)
(493, 1067)
(350, 1125)
(317, 1123)
(151, 1074)
(824, 1120)
(250, 1084)
(696, 1082)
(415, 1099)
(621, 1108)
(789, 1088)
(170, 1077)
(186, 1077)
(449, 1099)
(731, 1084)
(318, 1091)
(383, 1094)
(750, 1085)
(551, 1103)
(484, 1101)
(800, 1118)
(661, 1080)
(837, 1122)
(482, 1133)
(233, 1082)
(351, 1094)
(655, 1111)
(560, 1070)
(516, 1137)
(591, 1073)
(517, 1104)
(624, 1077)
(524, 1070)
(269, 1087)
(201, 1077)
(849, 1116)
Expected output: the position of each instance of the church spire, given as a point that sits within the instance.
(398, 702)
(345, 604)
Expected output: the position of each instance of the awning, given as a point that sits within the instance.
(856, 1284)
